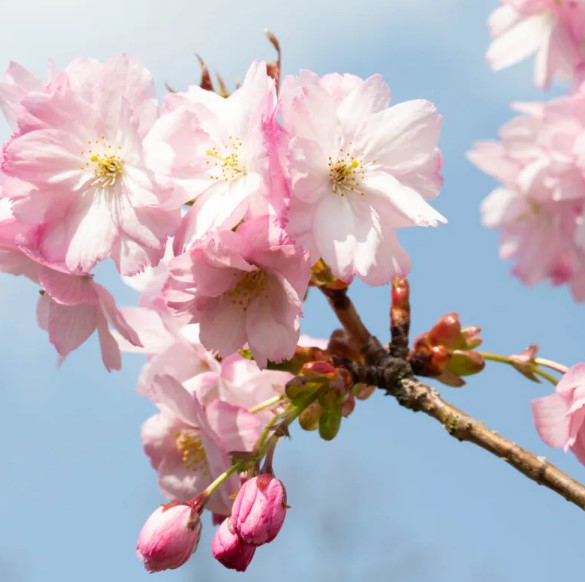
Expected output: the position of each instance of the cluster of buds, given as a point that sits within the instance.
(328, 389)
(257, 516)
(446, 351)
(171, 533)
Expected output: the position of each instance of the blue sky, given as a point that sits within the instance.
(393, 497)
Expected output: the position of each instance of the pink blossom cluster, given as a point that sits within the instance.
(96, 168)
(215, 208)
(540, 157)
(553, 30)
(540, 206)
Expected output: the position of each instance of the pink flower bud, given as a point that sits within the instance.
(259, 509)
(169, 537)
(229, 549)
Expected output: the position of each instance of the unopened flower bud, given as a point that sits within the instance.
(229, 549)
(259, 509)
(169, 537)
(525, 362)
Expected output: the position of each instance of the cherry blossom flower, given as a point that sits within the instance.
(554, 30)
(79, 159)
(220, 152)
(540, 207)
(201, 420)
(243, 286)
(359, 170)
(172, 349)
(559, 417)
(71, 306)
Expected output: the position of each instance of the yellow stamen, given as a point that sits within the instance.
(249, 286)
(230, 165)
(105, 166)
(191, 448)
(346, 173)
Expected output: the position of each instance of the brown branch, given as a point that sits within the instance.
(394, 375)
(347, 315)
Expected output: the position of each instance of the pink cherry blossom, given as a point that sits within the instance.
(172, 349)
(540, 207)
(359, 170)
(559, 417)
(19, 83)
(220, 152)
(169, 537)
(259, 509)
(554, 30)
(243, 286)
(72, 305)
(229, 549)
(201, 420)
(79, 172)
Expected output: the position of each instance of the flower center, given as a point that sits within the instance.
(190, 446)
(226, 167)
(249, 286)
(104, 163)
(346, 173)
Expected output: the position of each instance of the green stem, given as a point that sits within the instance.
(266, 404)
(235, 468)
(495, 358)
(507, 360)
(265, 433)
(545, 375)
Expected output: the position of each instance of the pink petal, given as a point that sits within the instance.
(67, 289)
(167, 391)
(111, 356)
(115, 317)
(519, 41)
(551, 421)
(237, 429)
(70, 325)
(92, 229)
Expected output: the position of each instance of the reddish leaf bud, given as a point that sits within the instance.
(259, 509)
(465, 363)
(446, 331)
(470, 337)
(445, 352)
(309, 418)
